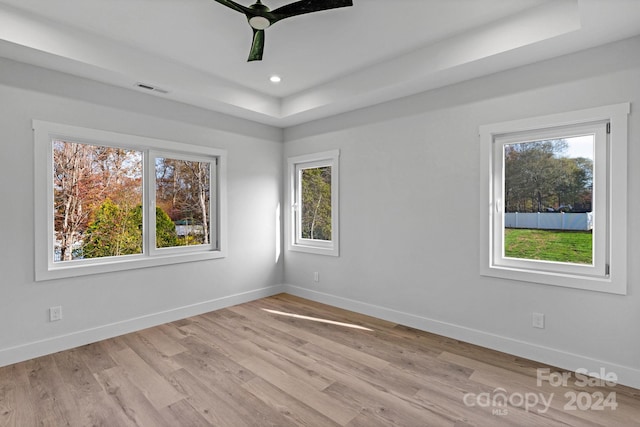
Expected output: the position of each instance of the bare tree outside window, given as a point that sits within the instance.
(97, 190)
(183, 192)
(316, 203)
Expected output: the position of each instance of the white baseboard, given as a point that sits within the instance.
(626, 375)
(51, 345)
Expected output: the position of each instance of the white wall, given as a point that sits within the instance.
(104, 305)
(409, 230)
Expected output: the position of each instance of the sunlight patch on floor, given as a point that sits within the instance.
(316, 319)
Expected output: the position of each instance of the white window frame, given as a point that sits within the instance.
(45, 267)
(609, 270)
(295, 240)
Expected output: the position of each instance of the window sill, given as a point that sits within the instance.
(330, 251)
(606, 284)
(83, 268)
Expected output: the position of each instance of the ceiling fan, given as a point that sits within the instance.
(261, 17)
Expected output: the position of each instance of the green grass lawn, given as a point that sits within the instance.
(549, 245)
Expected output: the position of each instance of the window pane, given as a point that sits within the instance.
(182, 202)
(316, 203)
(548, 198)
(97, 201)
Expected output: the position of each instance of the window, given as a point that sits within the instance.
(108, 201)
(314, 203)
(553, 200)
(183, 195)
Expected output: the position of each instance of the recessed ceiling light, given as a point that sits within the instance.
(275, 79)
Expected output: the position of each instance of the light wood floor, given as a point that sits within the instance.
(246, 366)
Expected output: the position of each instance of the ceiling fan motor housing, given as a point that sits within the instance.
(259, 22)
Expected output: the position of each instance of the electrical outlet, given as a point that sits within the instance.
(55, 313)
(537, 320)
(316, 276)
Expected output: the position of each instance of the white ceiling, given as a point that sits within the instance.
(330, 62)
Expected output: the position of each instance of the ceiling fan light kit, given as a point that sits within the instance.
(260, 17)
(259, 22)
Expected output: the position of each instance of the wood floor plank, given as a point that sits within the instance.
(226, 404)
(385, 399)
(382, 406)
(219, 330)
(232, 350)
(333, 408)
(93, 407)
(96, 357)
(183, 414)
(53, 404)
(255, 324)
(76, 374)
(287, 405)
(285, 361)
(173, 331)
(289, 360)
(156, 359)
(153, 385)
(98, 409)
(134, 407)
(16, 399)
(209, 405)
(161, 342)
(203, 358)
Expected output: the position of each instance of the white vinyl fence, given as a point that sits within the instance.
(549, 220)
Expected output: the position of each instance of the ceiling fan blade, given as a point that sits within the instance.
(260, 17)
(257, 47)
(306, 6)
(235, 6)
